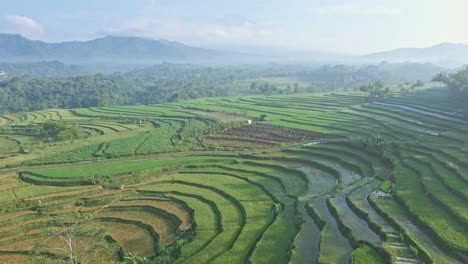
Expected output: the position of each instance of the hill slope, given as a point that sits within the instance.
(106, 49)
(444, 54)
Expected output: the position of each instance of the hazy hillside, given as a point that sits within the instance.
(16, 48)
(444, 54)
(136, 50)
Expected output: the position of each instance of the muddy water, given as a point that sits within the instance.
(359, 197)
(429, 109)
(307, 242)
(347, 176)
(360, 227)
(336, 248)
(320, 182)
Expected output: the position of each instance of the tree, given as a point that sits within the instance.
(59, 131)
(458, 83)
(296, 88)
(376, 91)
(289, 89)
(72, 238)
(389, 151)
(440, 77)
(403, 89)
(266, 89)
(417, 84)
(253, 87)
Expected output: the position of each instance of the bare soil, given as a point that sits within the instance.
(261, 136)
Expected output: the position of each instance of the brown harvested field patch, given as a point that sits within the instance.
(8, 177)
(16, 237)
(9, 181)
(9, 216)
(261, 135)
(27, 241)
(166, 205)
(21, 224)
(132, 238)
(166, 230)
(66, 201)
(66, 194)
(103, 192)
(26, 244)
(13, 258)
(57, 245)
(9, 186)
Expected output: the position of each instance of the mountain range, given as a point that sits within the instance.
(137, 50)
(16, 48)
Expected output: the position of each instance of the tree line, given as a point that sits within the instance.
(456, 82)
(173, 82)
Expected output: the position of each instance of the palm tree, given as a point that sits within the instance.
(440, 77)
(417, 84)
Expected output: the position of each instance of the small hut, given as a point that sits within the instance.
(263, 118)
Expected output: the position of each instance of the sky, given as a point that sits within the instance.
(339, 26)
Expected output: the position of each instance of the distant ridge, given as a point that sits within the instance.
(16, 48)
(444, 54)
(139, 50)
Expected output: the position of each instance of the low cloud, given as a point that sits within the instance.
(229, 29)
(354, 9)
(24, 25)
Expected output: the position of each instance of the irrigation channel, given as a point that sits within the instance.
(324, 186)
(427, 111)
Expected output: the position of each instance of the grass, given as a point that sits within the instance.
(334, 247)
(125, 146)
(413, 233)
(279, 235)
(84, 171)
(159, 140)
(442, 226)
(386, 186)
(231, 221)
(207, 223)
(254, 204)
(366, 254)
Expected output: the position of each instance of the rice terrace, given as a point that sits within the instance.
(320, 178)
(234, 132)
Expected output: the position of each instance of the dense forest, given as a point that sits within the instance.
(52, 84)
